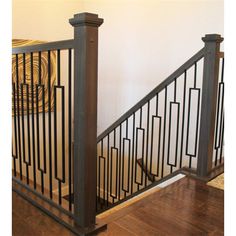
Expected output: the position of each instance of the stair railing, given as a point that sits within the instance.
(171, 130)
(178, 126)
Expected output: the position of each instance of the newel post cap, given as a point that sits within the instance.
(212, 38)
(86, 19)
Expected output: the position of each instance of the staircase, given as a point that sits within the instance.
(160, 136)
(177, 128)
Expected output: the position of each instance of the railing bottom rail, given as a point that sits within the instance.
(190, 172)
(55, 213)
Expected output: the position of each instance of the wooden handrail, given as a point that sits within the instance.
(64, 44)
(160, 87)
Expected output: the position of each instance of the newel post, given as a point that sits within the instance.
(85, 116)
(209, 101)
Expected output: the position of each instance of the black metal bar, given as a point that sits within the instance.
(222, 114)
(222, 141)
(44, 132)
(104, 173)
(183, 119)
(111, 173)
(58, 67)
(147, 142)
(195, 74)
(44, 141)
(159, 145)
(118, 164)
(49, 125)
(222, 70)
(38, 87)
(40, 67)
(62, 179)
(188, 126)
(123, 166)
(159, 138)
(219, 109)
(219, 118)
(99, 180)
(23, 125)
(28, 126)
(177, 135)
(23, 129)
(39, 156)
(108, 163)
(15, 128)
(176, 145)
(32, 117)
(119, 175)
(136, 153)
(164, 135)
(24, 74)
(133, 148)
(18, 115)
(65, 44)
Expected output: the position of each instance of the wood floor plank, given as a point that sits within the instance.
(28, 220)
(186, 207)
(137, 226)
(114, 229)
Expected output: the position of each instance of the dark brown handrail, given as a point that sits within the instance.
(64, 44)
(161, 86)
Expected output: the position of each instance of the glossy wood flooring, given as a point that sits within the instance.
(186, 207)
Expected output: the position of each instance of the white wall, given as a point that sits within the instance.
(140, 43)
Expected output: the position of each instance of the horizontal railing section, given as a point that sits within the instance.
(156, 137)
(58, 45)
(42, 100)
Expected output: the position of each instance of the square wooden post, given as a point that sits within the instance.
(209, 101)
(85, 116)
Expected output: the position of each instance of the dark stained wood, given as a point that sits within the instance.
(208, 103)
(216, 171)
(115, 229)
(85, 116)
(27, 220)
(29, 211)
(186, 207)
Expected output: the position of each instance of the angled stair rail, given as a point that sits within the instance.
(199, 55)
(165, 131)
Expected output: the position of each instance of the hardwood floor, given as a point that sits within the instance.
(187, 207)
(28, 220)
